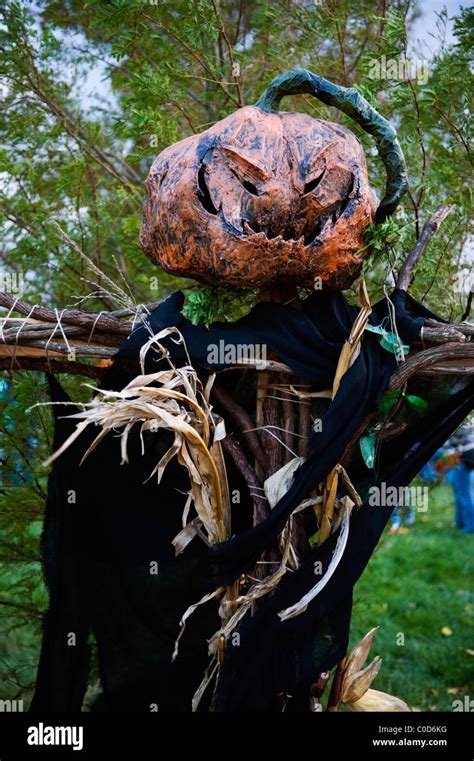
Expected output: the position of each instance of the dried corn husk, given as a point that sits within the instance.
(186, 535)
(359, 654)
(354, 688)
(302, 604)
(278, 483)
(208, 676)
(374, 700)
(171, 399)
(210, 596)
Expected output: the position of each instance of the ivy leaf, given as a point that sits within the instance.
(367, 448)
(390, 342)
(418, 404)
(388, 400)
(388, 339)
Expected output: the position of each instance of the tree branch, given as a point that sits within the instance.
(435, 359)
(53, 366)
(244, 420)
(247, 472)
(234, 67)
(467, 310)
(430, 227)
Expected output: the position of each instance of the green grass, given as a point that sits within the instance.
(415, 584)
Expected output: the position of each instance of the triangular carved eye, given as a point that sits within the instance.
(312, 184)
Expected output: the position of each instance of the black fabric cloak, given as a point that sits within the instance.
(106, 527)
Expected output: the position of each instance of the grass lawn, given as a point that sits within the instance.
(416, 584)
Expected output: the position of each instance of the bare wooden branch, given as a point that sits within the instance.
(466, 328)
(243, 419)
(53, 366)
(436, 357)
(440, 333)
(430, 227)
(467, 310)
(21, 332)
(102, 321)
(231, 446)
(60, 347)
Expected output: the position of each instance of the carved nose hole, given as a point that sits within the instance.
(313, 184)
(249, 186)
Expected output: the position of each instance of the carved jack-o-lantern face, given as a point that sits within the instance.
(260, 198)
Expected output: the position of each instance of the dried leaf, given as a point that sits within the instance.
(208, 676)
(211, 595)
(374, 700)
(171, 399)
(357, 686)
(186, 535)
(359, 654)
(301, 605)
(278, 483)
(219, 431)
(446, 631)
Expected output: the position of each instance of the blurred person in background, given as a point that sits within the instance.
(457, 462)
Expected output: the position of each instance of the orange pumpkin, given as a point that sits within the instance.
(262, 197)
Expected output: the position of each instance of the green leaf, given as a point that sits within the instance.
(388, 400)
(388, 339)
(209, 304)
(367, 448)
(418, 404)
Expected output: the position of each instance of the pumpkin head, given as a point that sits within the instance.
(265, 196)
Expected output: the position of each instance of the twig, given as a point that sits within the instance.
(40, 364)
(247, 472)
(35, 612)
(453, 127)
(466, 328)
(342, 53)
(243, 419)
(18, 331)
(105, 321)
(429, 229)
(171, 33)
(234, 67)
(467, 311)
(77, 349)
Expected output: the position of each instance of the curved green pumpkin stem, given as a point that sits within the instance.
(350, 101)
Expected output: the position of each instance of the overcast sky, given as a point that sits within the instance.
(425, 26)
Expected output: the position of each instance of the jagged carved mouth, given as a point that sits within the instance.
(310, 236)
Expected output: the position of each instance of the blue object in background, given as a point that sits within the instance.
(461, 479)
(428, 471)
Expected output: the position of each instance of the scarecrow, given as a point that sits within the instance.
(221, 513)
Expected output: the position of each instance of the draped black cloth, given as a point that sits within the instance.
(100, 544)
